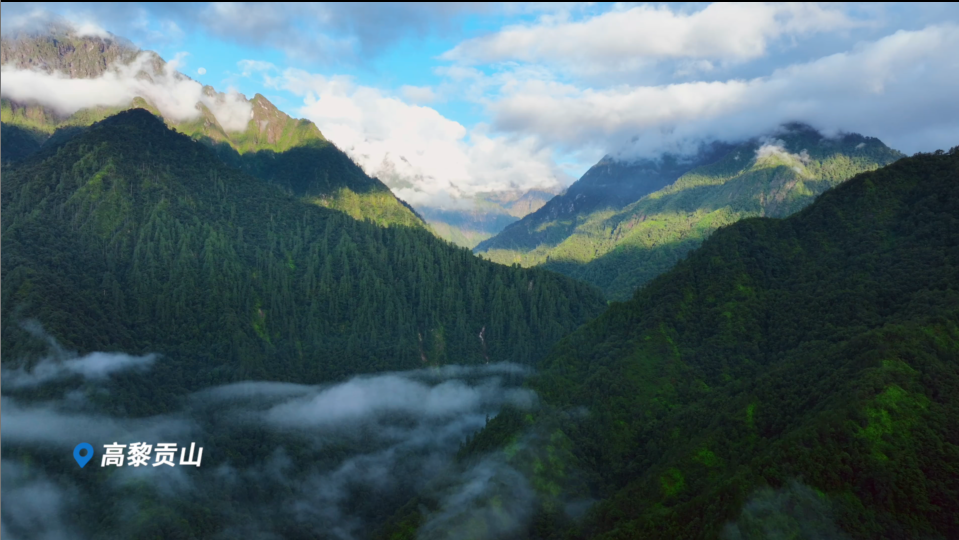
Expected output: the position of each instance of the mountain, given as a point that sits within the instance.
(518, 203)
(791, 378)
(490, 213)
(132, 237)
(610, 184)
(58, 48)
(620, 249)
(465, 228)
(264, 142)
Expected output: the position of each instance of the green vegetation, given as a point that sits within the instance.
(276, 148)
(619, 250)
(273, 146)
(132, 237)
(787, 366)
(823, 348)
(19, 142)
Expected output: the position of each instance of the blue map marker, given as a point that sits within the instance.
(82, 460)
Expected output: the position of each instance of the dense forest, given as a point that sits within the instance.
(290, 153)
(780, 359)
(791, 378)
(132, 237)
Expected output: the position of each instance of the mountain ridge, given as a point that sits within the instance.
(272, 146)
(608, 184)
(159, 217)
(620, 249)
(790, 377)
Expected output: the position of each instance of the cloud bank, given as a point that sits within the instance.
(316, 33)
(793, 511)
(899, 88)
(96, 365)
(624, 39)
(62, 364)
(175, 95)
(426, 158)
(331, 460)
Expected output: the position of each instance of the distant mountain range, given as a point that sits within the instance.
(624, 223)
(490, 214)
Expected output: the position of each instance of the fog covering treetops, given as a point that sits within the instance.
(252, 135)
(791, 378)
(135, 238)
(624, 223)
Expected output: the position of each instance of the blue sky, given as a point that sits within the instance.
(444, 101)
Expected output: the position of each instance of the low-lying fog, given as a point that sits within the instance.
(280, 460)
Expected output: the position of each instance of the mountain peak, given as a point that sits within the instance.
(57, 47)
(137, 115)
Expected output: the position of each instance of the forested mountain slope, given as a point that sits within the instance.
(271, 145)
(609, 185)
(621, 250)
(791, 378)
(133, 237)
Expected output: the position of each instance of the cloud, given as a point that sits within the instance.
(249, 67)
(95, 366)
(320, 33)
(624, 39)
(34, 19)
(793, 511)
(490, 500)
(418, 95)
(61, 424)
(60, 363)
(175, 95)
(362, 398)
(899, 88)
(34, 506)
(327, 32)
(431, 396)
(333, 460)
(426, 158)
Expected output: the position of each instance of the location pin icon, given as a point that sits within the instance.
(88, 454)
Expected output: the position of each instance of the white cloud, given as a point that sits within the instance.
(624, 39)
(393, 434)
(434, 395)
(36, 506)
(249, 67)
(363, 398)
(55, 424)
(60, 363)
(314, 32)
(174, 95)
(95, 366)
(900, 88)
(90, 29)
(425, 157)
(418, 95)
